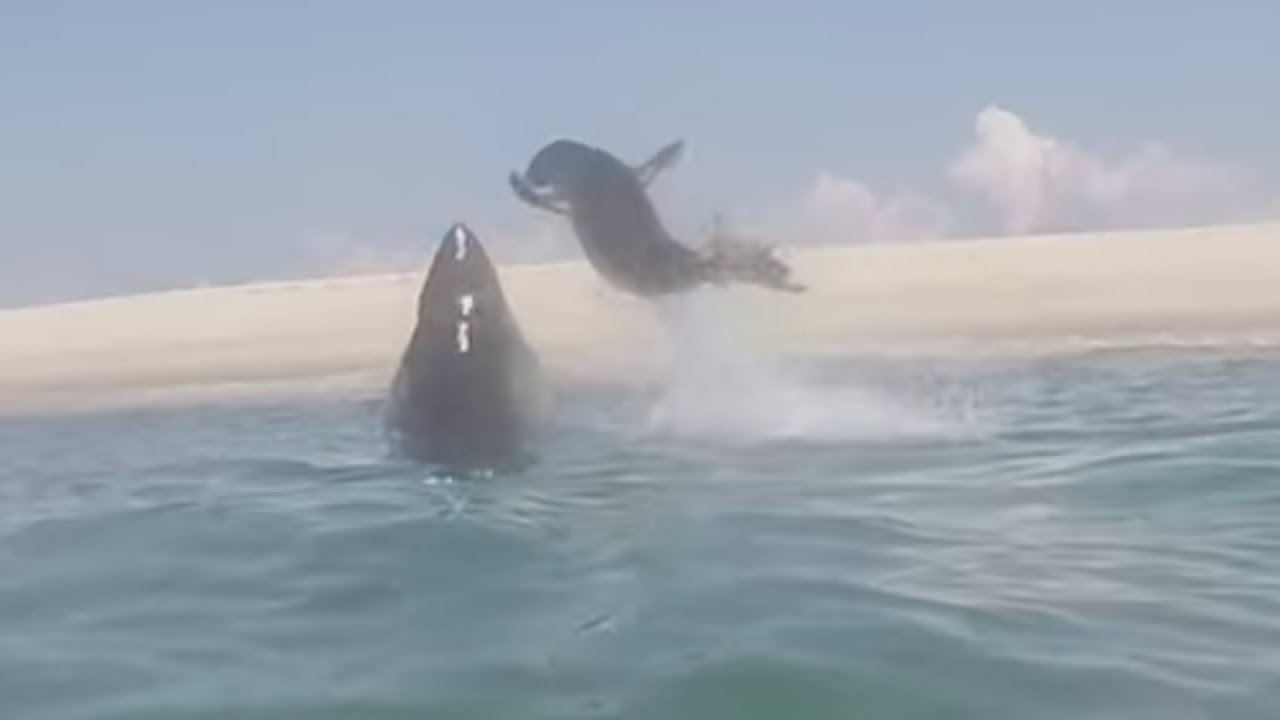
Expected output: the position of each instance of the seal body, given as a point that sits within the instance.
(619, 228)
(469, 391)
(615, 220)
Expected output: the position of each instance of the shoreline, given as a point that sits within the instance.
(1207, 286)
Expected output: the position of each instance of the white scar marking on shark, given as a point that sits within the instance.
(464, 336)
(459, 243)
(466, 303)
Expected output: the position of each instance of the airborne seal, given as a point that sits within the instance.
(619, 228)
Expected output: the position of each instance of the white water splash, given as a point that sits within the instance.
(716, 386)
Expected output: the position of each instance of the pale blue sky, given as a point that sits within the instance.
(154, 144)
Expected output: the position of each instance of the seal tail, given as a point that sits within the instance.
(736, 260)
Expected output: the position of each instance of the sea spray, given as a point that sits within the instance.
(716, 385)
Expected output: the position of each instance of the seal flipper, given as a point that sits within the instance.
(543, 200)
(661, 160)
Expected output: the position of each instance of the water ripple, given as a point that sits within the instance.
(1088, 537)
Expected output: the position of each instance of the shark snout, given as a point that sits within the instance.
(460, 238)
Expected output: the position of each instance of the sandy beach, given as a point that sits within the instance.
(1215, 285)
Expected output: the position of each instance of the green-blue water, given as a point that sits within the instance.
(1095, 536)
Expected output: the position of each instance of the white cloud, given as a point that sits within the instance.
(1039, 182)
(1034, 182)
(838, 209)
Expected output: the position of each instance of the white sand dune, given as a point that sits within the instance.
(1203, 285)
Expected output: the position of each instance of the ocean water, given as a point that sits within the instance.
(1093, 535)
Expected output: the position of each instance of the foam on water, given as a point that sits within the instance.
(715, 385)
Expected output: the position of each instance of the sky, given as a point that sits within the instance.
(152, 145)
